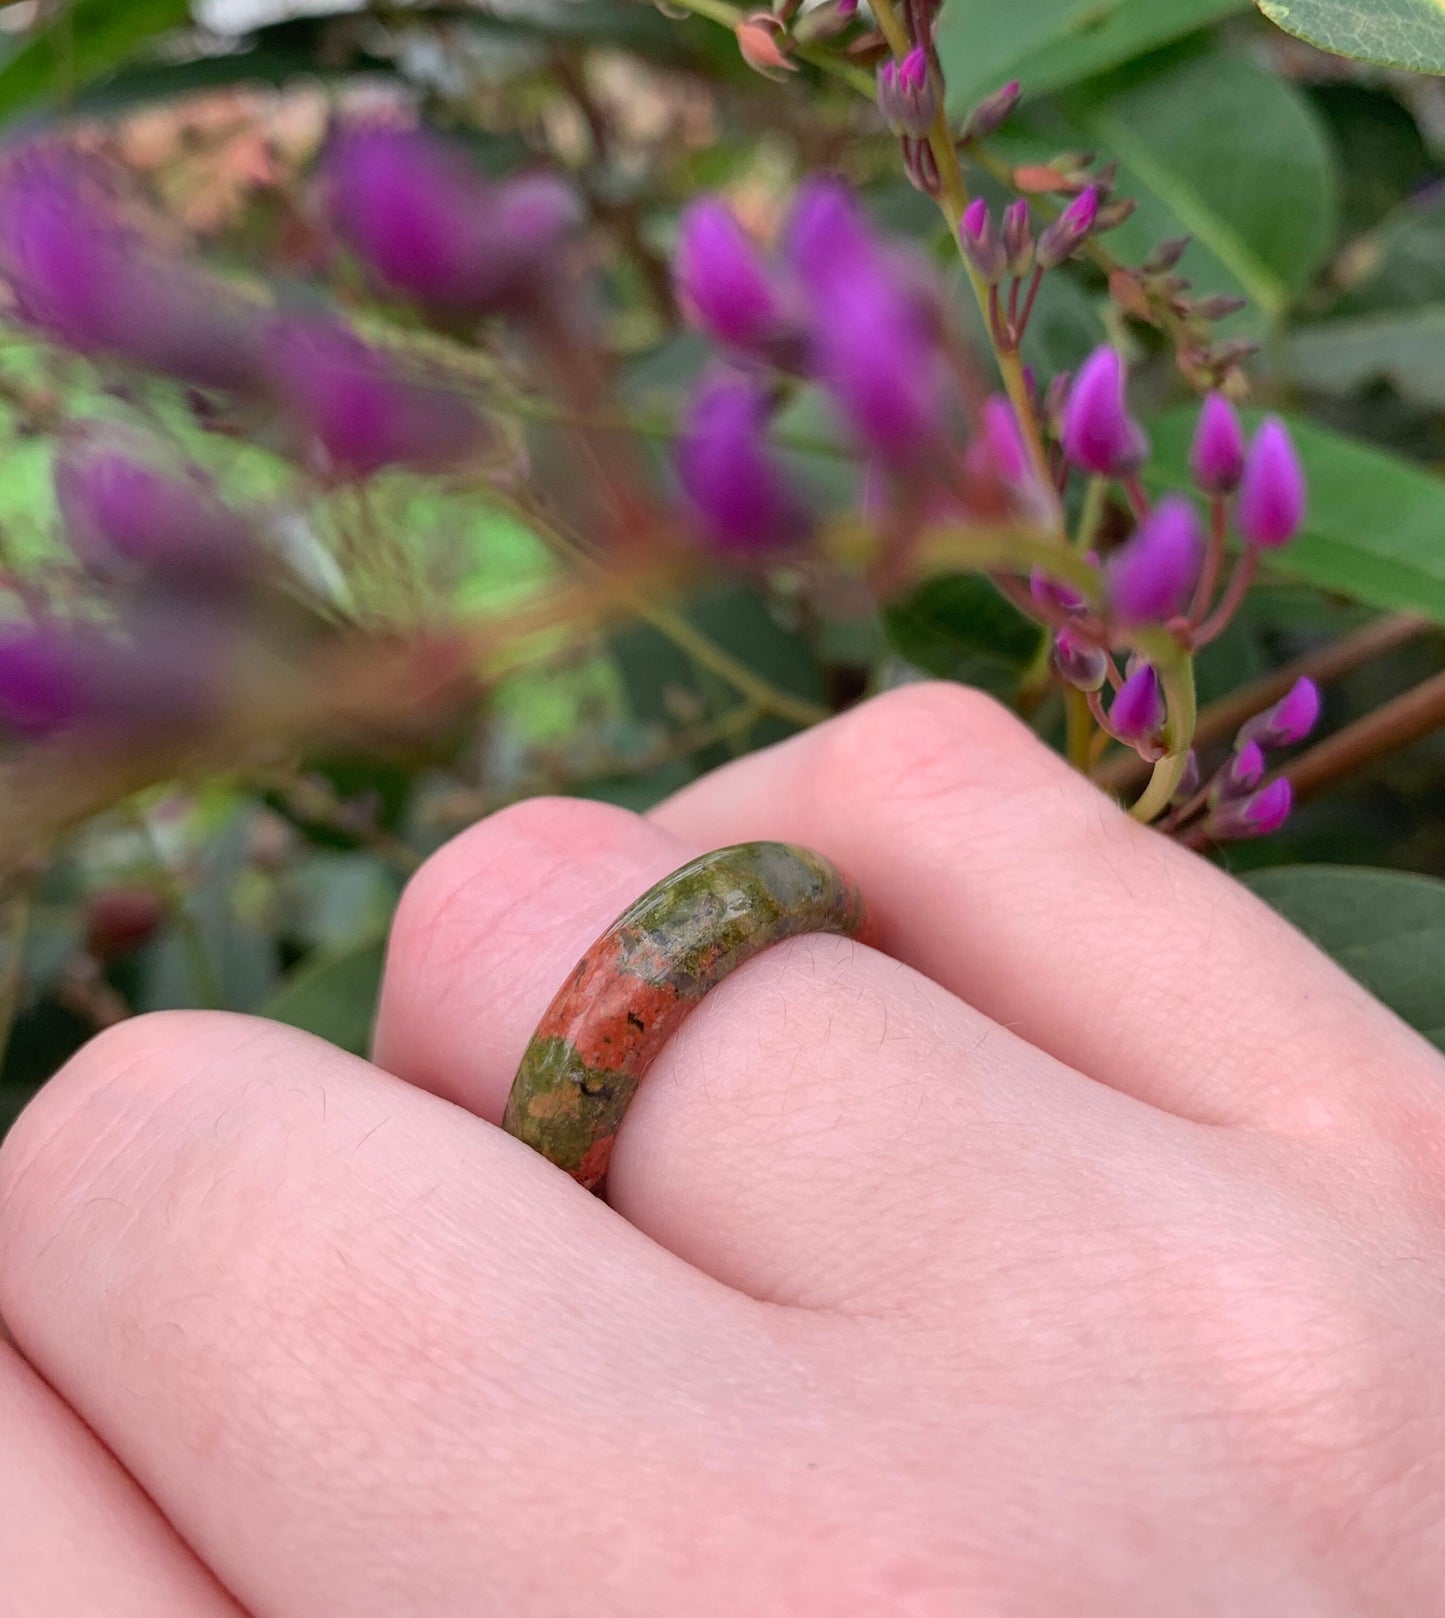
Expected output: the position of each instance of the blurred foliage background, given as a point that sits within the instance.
(1310, 183)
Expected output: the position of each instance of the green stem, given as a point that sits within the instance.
(1092, 515)
(707, 653)
(1175, 669)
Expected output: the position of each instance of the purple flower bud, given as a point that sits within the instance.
(1289, 721)
(826, 235)
(1217, 456)
(1138, 709)
(1082, 663)
(1018, 238)
(121, 509)
(1150, 577)
(1053, 596)
(1255, 816)
(737, 488)
(359, 410)
(429, 224)
(1058, 240)
(1271, 503)
(42, 685)
(1244, 771)
(991, 113)
(1099, 435)
(981, 241)
(88, 281)
(907, 95)
(159, 669)
(722, 281)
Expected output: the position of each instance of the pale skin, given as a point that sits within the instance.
(1083, 1253)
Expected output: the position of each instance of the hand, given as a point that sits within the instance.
(1084, 1253)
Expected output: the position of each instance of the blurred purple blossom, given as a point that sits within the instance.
(737, 487)
(92, 282)
(1099, 434)
(1217, 455)
(1150, 577)
(1271, 503)
(430, 224)
(358, 409)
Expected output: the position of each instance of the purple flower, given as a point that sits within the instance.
(1150, 577)
(1259, 814)
(1018, 240)
(981, 241)
(1058, 240)
(159, 667)
(739, 491)
(359, 411)
(991, 112)
(431, 225)
(1289, 721)
(1051, 595)
(1217, 456)
(1271, 504)
(907, 96)
(1244, 771)
(120, 508)
(826, 234)
(42, 679)
(1138, 709)
(1083, 663)
(722, 281)
(90, 282)
(1099, 434)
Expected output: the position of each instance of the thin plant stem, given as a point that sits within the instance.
(1095, 494)
(12, 981)
(1213, 559)
(1079, 725)
(703, 651)
(1235, 591)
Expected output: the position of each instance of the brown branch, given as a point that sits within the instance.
(1221, 719)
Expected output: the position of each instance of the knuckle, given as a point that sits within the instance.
(927, 741)
(470, 884)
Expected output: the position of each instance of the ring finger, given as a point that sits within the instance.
(819, 1104)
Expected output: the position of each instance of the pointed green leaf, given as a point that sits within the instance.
(985, 43)
(1396, 33)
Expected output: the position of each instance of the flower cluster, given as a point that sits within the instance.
(169, 574)
(175, 566)
(835, 306)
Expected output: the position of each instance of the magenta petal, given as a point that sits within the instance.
(1271, 502)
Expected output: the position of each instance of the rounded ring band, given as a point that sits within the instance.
(631, 991)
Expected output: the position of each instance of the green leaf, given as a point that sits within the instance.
(1396, 33)
(333, 995)
(1215, 147)
(1391, 325)
(947, 623)
(78, 43)
(1386, 928)
(1047, 46)
(1373, 532)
